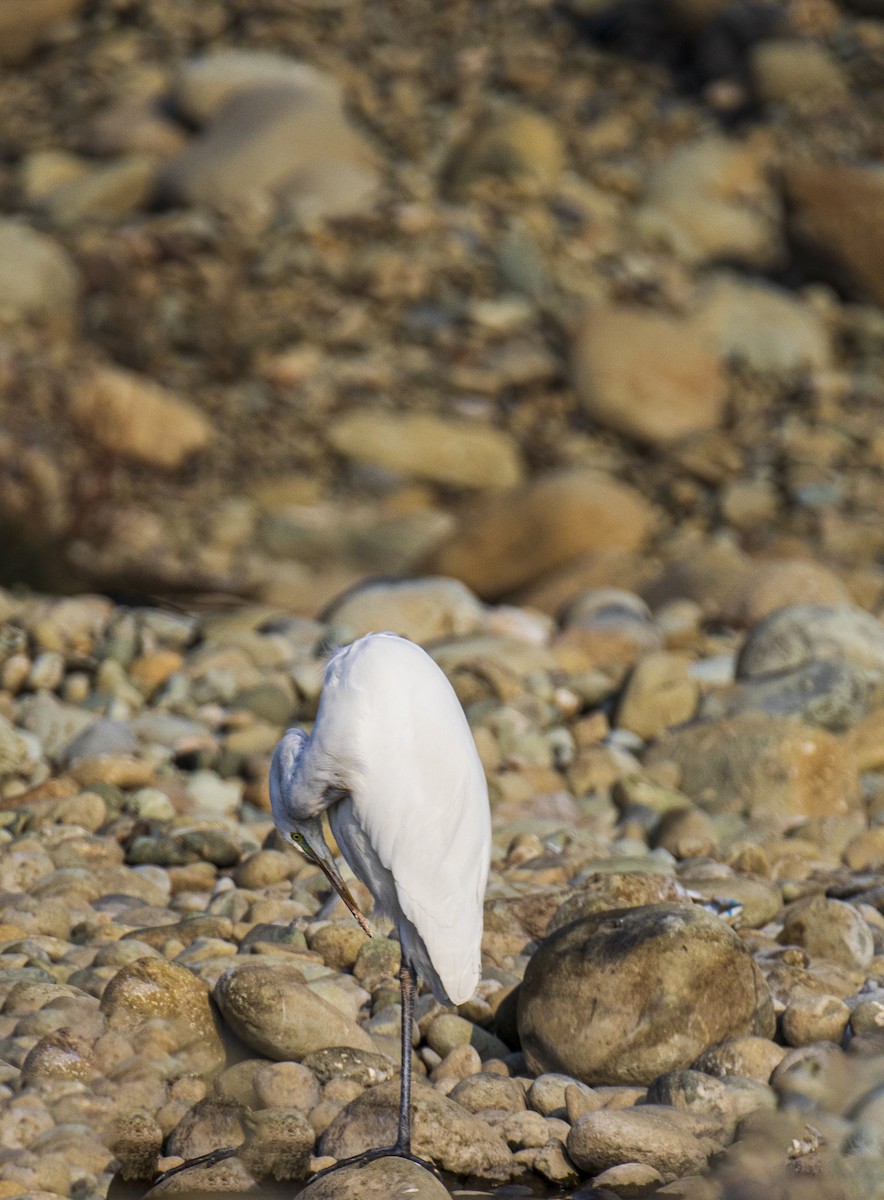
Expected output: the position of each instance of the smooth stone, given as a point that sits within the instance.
(26, 24)
(265, 142)
(151, 989)
(661, 983)
(709, 200)
(274, 1013)
(651, 377)
(798, 74)
(137, 420)
(442, 1132)
(548, 1094)
(383, 1179)
(512, 143)
(799, 634)
(604, 1139)
(772, 585)
(422, 610)
(507, 542)
(286, 1085)
(809, 1019)
(658, 693)
(483, 1091)
(442, 450)
(750, 1056)
(828, 693)
(760, 325)
(104, 736)
(837, 214)
(106, 193)
(627, 1179)
(772, 768)
(829, 929)
(205, 84)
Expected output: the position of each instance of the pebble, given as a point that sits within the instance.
(131, 416)
(37, 278)
(709, 200)
(377, 1180)
(506, 543)
(274, 1013)
(422, 610)
(760, 325)
(442, 1132)
(608, 1138)
(651, 377)
(269, 139)
(835, 212)
(461, 454)
(829, 929)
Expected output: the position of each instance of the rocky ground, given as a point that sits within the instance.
(570, 319)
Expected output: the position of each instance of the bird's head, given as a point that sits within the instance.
(297, 823)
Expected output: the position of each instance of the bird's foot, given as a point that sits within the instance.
(367, 1156)
(204, 1160)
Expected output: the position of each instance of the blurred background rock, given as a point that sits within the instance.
(538, 296)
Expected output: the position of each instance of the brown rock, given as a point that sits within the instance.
(651, 377)
(133, 417)
(837, 214)
(654, 986)
(507, 542)
(25, 24)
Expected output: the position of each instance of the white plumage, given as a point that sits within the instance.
(392, 760)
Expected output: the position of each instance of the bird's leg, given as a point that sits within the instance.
(402, 1145)
(408, 988)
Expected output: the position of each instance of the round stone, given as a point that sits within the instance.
(656, 986)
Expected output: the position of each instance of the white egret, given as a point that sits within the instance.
(392, 762)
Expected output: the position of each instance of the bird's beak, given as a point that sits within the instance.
(313, 845)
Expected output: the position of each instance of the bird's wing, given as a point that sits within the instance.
(418, 794)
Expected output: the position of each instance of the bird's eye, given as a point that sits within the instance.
(297, 837)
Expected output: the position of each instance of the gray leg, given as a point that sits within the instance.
(408, 984)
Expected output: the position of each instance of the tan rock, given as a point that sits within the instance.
(508, 542)
(515, 144)
(423, 446)
(259, 144)
(799, 75)
(649, 376)
(153, 990)
(710, 199)
(658, 693)
(133, 417)
(37, 278)
(772, 585)
(773, 768)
